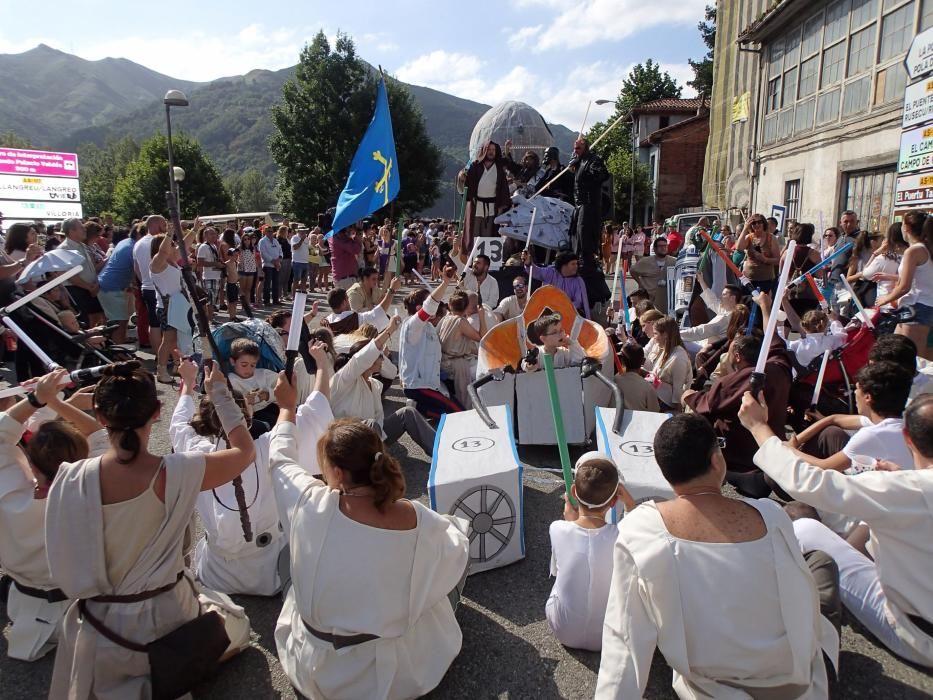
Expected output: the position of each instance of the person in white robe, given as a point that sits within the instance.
(890, 593)
(719, 585)
(35, 605)
(368, 614)
(115, 527)
(226, 562)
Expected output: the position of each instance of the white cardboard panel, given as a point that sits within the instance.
(535, 422)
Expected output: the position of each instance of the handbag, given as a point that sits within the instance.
(179, 660)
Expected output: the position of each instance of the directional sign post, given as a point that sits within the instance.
(914, 188)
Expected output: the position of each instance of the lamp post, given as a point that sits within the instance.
(173, 98)
(178, 175)
(631, 189)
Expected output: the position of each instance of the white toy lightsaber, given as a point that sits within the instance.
(77, 376)
(294, 332)
(819, 379)
(427, 285)
(758, 376)
(822, 239)
(531, 263)
(855, 300)
(49, 363)
(39, 291)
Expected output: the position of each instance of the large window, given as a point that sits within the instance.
(870, 194)
(838, 63)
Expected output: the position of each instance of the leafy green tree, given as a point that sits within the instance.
(320, 120)
(703, 69)
(250, 191)
(10, 139)
(644, 83)
(141, 189)
(100, 168)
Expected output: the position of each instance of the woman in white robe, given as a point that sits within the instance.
(717, 584)
(226, 562)
(368, 614)
(35, 604)
(89, 558)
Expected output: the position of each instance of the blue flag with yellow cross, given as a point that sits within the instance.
(374, 180)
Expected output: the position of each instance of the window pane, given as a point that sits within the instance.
(777, 54)
(786, 123)
(837, 21)
(863, 11)
(827, 108)
(792, 47)
(926, 15)
(774, 95)
(808, 77)
(833, 60)
(861, 51)
(790, 88)
(897, 31)
(856, 97)
(803, 119)
(811, 36)
(890, 84)
(769, 134)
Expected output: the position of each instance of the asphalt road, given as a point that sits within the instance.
(508, 651)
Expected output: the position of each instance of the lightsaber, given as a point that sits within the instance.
(39, 291)
(825, 263)
(558, 424)
(758, 376)
(752, 317)
(567, 168)
(858, 304)
(76, 377)
(727, 259)
(531, 266)
(423, 281)
(819, 379)
(615, 281)
(49, 363)
(822, 239)
(294, 332)
(816, 291)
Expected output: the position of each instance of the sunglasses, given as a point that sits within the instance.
(518, 286)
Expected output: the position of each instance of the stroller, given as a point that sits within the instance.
(271, 347)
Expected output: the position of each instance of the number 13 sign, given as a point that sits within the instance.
(492, 248)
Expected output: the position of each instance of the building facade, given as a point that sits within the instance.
(671, 137)
(824, 108)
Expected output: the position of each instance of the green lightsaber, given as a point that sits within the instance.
(558, 424)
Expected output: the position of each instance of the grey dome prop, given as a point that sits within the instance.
(512, 120)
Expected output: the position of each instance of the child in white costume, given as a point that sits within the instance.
(581, 555)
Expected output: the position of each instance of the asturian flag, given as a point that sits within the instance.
(374, 180)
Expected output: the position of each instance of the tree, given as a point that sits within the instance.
(320, 120)
(703, 69)
(10, 139)
(100, 168)
(250, 191)
(141, 189)
(644, 83)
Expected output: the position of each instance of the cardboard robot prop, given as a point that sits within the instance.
(632, 451)
(681, 279)
(476, 475)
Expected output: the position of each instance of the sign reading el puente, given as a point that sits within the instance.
(38, 185)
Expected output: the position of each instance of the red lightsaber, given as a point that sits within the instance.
(816, 292)
(727, 259)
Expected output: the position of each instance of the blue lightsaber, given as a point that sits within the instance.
(825, 263)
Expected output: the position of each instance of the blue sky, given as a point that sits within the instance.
(554, 54)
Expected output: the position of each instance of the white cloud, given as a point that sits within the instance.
(585, 22)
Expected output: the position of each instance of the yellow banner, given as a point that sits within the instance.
(740, 107)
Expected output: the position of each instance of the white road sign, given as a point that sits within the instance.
(918, 103)
(916, 150)
(914, 191)
(33, 188)
(40, 210)
(919, 60)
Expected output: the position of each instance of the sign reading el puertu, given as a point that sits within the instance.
(38, 185)
(914, 187)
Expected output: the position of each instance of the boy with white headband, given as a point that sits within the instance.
(581, 554)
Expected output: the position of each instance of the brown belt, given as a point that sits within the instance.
(52, 595)
(138, 597)
(922, 625)
(339, 641)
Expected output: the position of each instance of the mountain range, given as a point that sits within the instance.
(60, 101)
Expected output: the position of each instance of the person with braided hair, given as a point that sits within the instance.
(226, 562)
(115, 528)
(375, 577)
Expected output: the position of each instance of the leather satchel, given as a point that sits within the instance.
(179, 660)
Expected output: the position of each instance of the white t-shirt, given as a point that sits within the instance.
(581, 559)
(142, 254)
(299, 254)
(208, 254)
(263, 380)
(884, 440)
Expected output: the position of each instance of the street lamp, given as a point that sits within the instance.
(631, 189)
(173, 98)
(178, 175)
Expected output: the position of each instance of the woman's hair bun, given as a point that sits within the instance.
(121, 369)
